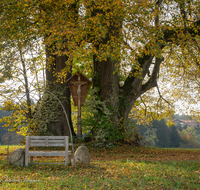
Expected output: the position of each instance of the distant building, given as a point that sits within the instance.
(188, 123)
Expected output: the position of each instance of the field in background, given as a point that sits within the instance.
(123, 167)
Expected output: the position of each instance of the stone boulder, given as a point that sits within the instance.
(17, 157)
(82, 155)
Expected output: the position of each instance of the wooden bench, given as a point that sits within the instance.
(47, 141)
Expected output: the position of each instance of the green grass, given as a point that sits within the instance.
(126, 172)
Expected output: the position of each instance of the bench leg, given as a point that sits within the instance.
(66, 160)
(31, 159)
(26, 159)
(69, 159)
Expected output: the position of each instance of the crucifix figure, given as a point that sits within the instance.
(79, 83)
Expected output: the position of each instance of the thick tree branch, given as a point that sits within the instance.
(152, 82)
(132, 80)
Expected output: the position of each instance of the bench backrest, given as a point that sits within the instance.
(47, 141)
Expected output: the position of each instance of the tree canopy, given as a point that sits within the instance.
(124, 45)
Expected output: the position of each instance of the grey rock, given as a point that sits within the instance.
(82, 155)
(17, 157)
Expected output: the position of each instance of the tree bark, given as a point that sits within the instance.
(107, 81)
(56, 63)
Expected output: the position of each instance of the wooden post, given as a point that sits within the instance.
(79, 130)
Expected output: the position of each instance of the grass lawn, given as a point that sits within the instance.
(119, 168)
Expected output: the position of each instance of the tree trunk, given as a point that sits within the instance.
(56, 63)
(107, 81)
(49, 116)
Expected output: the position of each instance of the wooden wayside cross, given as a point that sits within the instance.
(79, 85)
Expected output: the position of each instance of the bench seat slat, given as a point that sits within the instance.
(52, 153)
(50, 141)
(44, 137)
(49, 163)
(43, 144)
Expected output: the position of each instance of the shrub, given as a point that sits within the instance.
(99, 119)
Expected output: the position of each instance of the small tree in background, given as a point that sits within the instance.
(162, 132)
(174, 137)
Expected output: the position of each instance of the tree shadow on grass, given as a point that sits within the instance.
(187, 165)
